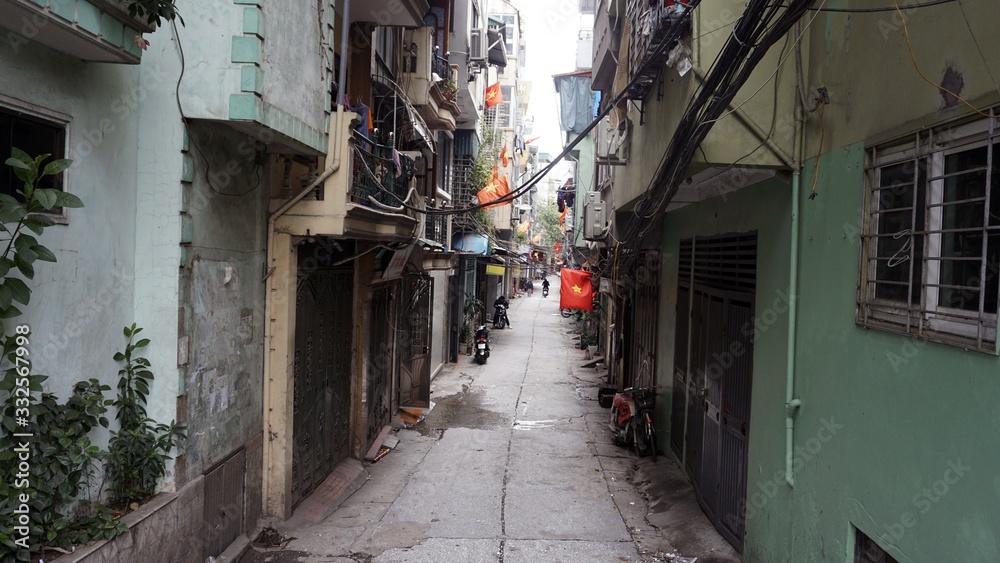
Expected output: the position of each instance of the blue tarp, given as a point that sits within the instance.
(471, 242)
(576, 102)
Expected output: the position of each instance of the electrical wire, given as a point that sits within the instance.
(185, 120)
(761, 25)
(672, 37)
(909, 46)
(819, 153)
(882, 10)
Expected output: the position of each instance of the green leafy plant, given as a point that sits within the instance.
(60, 454)
(139, 450)
(154, 11)
(473, 308)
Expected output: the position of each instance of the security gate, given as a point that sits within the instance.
(378, 368)
(414, 341)
(322, 372)
(713, 372)
(641, 322)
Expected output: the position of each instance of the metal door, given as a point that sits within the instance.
(378, 367)
(322, 369)
(714, 368)
(414, 344)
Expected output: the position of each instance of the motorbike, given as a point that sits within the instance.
(500, 319)
(631, 421)
(545, 291)
(482, 339)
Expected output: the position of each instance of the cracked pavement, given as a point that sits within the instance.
(513, 464)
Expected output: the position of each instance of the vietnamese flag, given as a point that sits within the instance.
(576, 291)
(496, 188)
(494, 95)
(562, 217)
(504, 157)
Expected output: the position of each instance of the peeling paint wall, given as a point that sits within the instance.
(222, 296)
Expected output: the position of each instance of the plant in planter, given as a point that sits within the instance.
(154, 11)
(139, 450)
(449, 88)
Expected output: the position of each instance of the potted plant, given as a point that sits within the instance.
(449, 88)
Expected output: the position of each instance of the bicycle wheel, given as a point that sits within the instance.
(566, 313)
(637, 437)
(651, 436)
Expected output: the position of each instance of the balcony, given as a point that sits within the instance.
(430, 80)
(646, 58)
(360, 200)
(91, 30)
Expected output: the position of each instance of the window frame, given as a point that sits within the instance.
(59, 215)
(925, 316)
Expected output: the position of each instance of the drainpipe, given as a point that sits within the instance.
(273, 218)
(792, 405)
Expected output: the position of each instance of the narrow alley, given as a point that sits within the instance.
(513, 463)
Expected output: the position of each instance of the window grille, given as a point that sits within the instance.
(931, 236)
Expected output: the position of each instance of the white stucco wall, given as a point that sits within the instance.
(80, 304)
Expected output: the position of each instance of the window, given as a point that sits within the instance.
(931, 241)
(35, 136)
(867, 551)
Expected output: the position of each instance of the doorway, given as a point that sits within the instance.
(713, 372)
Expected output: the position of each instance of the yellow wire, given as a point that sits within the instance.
(913, 58)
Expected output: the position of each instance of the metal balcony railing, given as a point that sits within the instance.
(436, 229)
(441, 67)
(374, 175)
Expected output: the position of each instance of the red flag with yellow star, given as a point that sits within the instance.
(504, 156)
(494, 95)
(496, 188)
(576, 291)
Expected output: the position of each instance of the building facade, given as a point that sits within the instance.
(823, 261)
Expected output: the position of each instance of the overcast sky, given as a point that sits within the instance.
(551, 28)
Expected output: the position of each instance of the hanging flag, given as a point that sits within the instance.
(494, 95)
(523, 227)
(557, 248)
(529, 141)
(504, 157)
(495, 188)
(537, 239)
(576, 290)
(562, 218)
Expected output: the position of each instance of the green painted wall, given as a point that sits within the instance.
(911, 411)
(764, 208)
(895, 435)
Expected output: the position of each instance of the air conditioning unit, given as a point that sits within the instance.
(594, 217)
(612, 143)
(478, 46)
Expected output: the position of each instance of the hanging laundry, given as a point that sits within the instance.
(395, 161)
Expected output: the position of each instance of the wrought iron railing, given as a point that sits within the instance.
(436, 229)
(441, 67)
(374, 174)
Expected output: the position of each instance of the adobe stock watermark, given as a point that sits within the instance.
(765, 490)
(926, 499)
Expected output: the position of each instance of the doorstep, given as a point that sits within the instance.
(346, 478)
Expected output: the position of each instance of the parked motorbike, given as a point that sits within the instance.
(631, 420)
(482, 344)
(500, 319)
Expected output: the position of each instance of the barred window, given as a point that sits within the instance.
(931, 240)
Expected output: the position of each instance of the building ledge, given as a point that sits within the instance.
(90, 30)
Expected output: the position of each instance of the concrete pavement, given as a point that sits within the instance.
(513, 464)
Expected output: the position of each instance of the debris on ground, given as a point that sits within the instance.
(270, 537)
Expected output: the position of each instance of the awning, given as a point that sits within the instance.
(498, 51)
(419, 126)
(471, 242)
